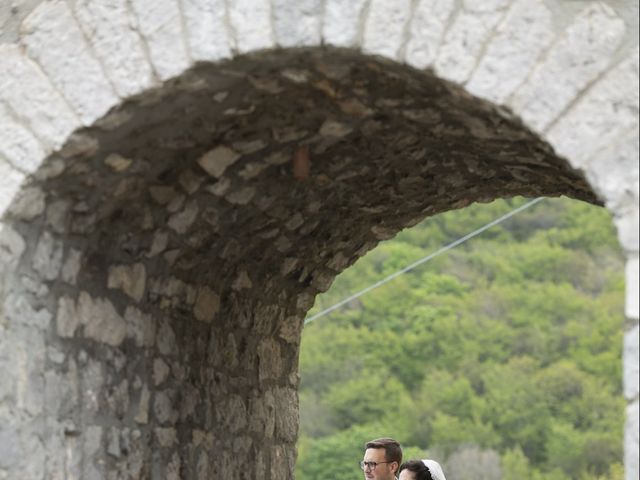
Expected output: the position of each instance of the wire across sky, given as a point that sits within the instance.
(423, 260)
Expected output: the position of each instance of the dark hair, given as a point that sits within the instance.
(392, 450)
(420, 469)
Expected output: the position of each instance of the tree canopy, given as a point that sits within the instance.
(500, 358)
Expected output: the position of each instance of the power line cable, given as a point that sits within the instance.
(424, 259)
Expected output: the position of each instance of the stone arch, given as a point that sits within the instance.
(159, 261)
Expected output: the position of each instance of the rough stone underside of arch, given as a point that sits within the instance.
(159, 267)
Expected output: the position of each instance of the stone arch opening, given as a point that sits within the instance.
(161, 263)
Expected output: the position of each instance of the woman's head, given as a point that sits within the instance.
(421, 470)
(414, 470)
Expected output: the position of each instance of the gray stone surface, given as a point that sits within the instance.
(183, 267)
(242, 247)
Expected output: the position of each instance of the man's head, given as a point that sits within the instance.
(382, 457)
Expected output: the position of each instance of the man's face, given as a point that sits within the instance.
(383, 471)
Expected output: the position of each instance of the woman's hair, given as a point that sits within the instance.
(416, 466)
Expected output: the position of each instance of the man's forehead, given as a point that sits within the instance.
(374, 455)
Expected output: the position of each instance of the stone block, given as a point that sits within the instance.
(54, 40)
(511, 54)
(10, 182)
(286, 408)
(297, 24)
(160, 24)
(207, 29)
(12, 246)
(107, 26)
(232, 414)
(607, 110)
(166, 338)
(632, 287)
(216, 161)
(463, 41)
(384, 31)
(47, 258)
(631, 444)
(25, 88)
(142, 415)
(581, 54)
(342, 22)
(627, 226)
(71, 266)
(251, 24)
(140, 327)
(428, 24)
(270, 364)
(18, 145)
(28, 203)
(101, 320)
(67, 320)
(631, 361)
(181, 221)
(207, 305)
(613, 172)
(131, 279)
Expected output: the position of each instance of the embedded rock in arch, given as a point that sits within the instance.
(162, 263)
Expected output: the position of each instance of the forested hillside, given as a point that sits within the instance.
(501, 358)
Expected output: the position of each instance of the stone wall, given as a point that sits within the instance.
(170, 214)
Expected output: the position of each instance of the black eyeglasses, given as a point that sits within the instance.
(371, 465)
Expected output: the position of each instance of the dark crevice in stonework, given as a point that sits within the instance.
(174, 249)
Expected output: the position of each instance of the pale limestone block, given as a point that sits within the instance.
(54, 40)
(342, 22)
(613, 172)
(627, 224)
(18, 145)
(385, 27)
(160, 23)
(25, 88)
(12, 246)
(101, 320)
(426, 31)
(251, 23)
(166, 437)
(142, 416)
(631, 445)
(464, 41)
(575, 59)
(181, 221)
(140, 327)
(207, 305)
(67, 320)
(47, 257)
(28, 203)
(166, 338)
(108, 25)
(297, 24)
(216, 161)
(10, 181)
(606, 110)
(131, 279)
(632, 273)
(160, 371)
(72, 266)
(206, 28)
(631, 358)
(518, 42)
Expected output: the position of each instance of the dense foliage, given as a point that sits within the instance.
(500, 358)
